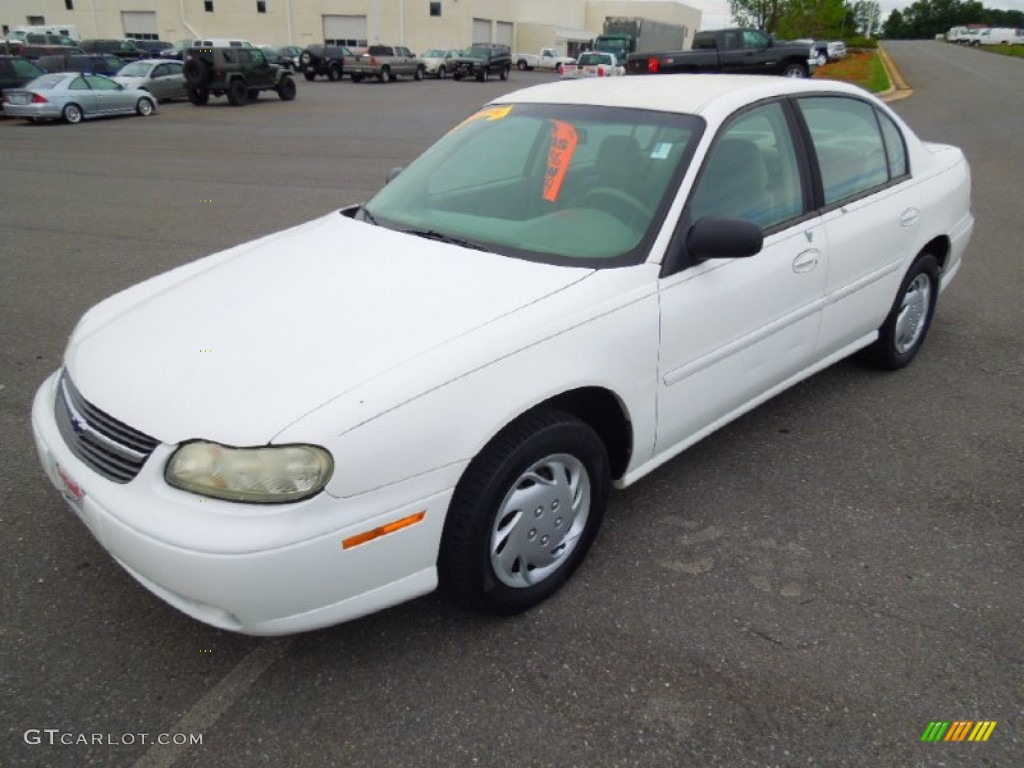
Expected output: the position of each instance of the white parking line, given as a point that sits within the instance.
(205, 712)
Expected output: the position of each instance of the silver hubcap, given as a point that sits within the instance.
(913, 311)
(540, 520)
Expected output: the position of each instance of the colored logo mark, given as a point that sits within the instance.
(958, 730)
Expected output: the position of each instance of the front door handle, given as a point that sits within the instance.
(806, 261)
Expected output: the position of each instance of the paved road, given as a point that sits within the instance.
(811, 586)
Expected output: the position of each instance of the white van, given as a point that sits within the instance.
(1000, 36)
(64, 30)
(221, 42)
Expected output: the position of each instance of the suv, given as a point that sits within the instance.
(386, 63)
(241, 73)
(15, 71)
(87, 63)
(482, 60)
(124, 49)
(329, 60)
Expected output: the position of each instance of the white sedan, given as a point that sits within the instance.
(572, 286)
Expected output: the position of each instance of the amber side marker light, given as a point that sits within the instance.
(384, 530)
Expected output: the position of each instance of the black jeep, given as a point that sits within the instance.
(329, 60)
(481, 61)
(241, 73)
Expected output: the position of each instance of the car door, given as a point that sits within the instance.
(82, 94)
(108, 97)
(735, 330)
(870, 212)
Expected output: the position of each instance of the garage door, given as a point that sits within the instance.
(504, 31)
(140, 25)
(481, 30)
(345, 30)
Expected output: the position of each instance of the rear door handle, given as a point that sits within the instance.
(909, 217)
(806, 261)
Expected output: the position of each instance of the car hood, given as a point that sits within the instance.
(239, 345)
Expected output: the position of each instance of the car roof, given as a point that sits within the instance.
(688, 94)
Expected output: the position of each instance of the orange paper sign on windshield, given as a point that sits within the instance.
(563, 145)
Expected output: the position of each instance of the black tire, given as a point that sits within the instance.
(483, 527)
(559, 68)
(145, 107)
(504, 71)
(795, 70)
(286, 89)
(482, 75)
(419, 74)
(906, 326)
(254, 94)
(199, 96)
(72, 113)
(521, 64)
(237, 93)
(385, 75)
(310, 75)
(442, 72)
(195, 72)
(334, 73)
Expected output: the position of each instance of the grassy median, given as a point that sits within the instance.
(863, 68)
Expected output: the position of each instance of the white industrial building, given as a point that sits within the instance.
(526, 25)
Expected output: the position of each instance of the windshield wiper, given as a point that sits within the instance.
(431, 234)
(367, 216)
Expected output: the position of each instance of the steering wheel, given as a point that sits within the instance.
(624, 206)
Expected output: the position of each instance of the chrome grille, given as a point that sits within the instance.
(109, 446)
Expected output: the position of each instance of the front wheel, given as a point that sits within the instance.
(310, 75)
(442, 73)
(286, 89)
(525, 513)
(419, 74)
(505, 71)
(906, 326)
(144, 107)
(794, 70)
(521, 64)
(199, 96)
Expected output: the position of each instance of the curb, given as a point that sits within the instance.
(899, 89)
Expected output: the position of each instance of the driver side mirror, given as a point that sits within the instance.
(713, 238)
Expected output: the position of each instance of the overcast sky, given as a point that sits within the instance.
(716, 12)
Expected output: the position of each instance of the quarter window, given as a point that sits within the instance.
(848, 143)
(895, 149)
(751, 172)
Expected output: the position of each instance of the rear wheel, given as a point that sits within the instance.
(144, 107)
(385, 75)
(72, 113)
(442, 73)
(525, 513)
(199, 96)
(237, 93)
(794, 70)
(482, 75)
(521, 64)
(419, 73)
(505, 71)
(906, 327)
(334, 73)
(310, 75)
(254, 94)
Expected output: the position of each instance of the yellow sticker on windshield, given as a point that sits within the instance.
(490, 113)
(563, 145)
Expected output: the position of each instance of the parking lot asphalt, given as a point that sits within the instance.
(811, 586)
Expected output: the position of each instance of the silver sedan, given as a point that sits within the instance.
(160, 77)
(73, 97)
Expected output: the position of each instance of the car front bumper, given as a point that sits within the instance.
(255, 569)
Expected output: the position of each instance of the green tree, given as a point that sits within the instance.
(761, 14)
(819, 19)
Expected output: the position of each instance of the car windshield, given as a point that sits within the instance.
(564, 184)
(433, 53)
(135, 69)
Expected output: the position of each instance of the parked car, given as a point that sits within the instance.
(122, 48)
(15, 71)
(286, 55)
(177, 50)
(836, 50)
(161, 77)
(330, 61)
(569, 288)
(151, 49)
(238, 72)
(89, 63)
(74, 97)
(437, 61)
(481, 60)
(387, 63)
(594, 64)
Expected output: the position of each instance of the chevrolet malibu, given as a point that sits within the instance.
(439, 387)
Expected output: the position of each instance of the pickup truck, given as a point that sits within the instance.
(593, 64)
(733, 51)
(386, 62)
(548, 58)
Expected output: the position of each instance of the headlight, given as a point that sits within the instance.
(257, 475)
